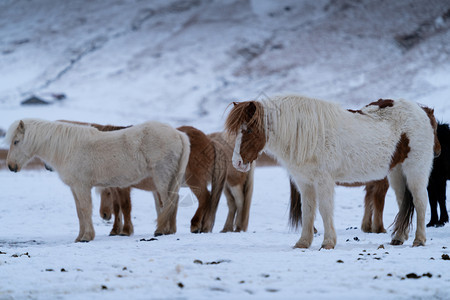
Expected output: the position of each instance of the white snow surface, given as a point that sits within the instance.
(123, 62)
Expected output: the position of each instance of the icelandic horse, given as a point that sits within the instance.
(376, 190)
(437, 185)
(85, 157)
(321, 143)
(209, 162)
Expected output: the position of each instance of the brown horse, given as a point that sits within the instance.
(238, 188)
(209, 162)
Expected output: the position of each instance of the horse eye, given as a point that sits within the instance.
(249, 131)
(16, 142)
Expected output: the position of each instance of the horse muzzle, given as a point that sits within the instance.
(106, 216)
(14, 168)
(240, 166)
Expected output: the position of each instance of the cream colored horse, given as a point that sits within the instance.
(85, 157)
(209, 162)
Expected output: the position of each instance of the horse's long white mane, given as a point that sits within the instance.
(58, 138)
(296, 125)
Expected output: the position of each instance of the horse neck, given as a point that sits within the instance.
(55, 144)
(295, 126)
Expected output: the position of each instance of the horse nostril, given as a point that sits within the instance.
(106, 216)
(12, 169)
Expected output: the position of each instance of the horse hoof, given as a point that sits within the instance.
(113, 234)
(418, 243)
(379, 230)
(431, 224)
(301, 245)
(366, 229)
(327, 247)
(195, 231)
(396, 243)
(158, 234)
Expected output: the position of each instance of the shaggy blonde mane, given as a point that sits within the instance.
(58, 138)
(296, 126)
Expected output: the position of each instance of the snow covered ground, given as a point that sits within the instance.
(39, 224)
(183, 62)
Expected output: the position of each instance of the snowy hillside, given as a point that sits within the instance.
(182, 62)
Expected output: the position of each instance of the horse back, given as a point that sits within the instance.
(201, 156)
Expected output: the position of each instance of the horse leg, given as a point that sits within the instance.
(229, 223)
(125, 205)
(166, 222)
(418, 188)
(379, 196)
(434, 192)
(325, 197)
(366, 225)
(117, 227)
(398, 183)
(203, 195)
(158, 203)
(308, 193)
(441, 200)
(444, 215)
(83, 203)
(247, 188)
(238, 196)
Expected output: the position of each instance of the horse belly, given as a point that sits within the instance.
(361, 174)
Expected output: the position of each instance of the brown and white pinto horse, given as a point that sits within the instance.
(375, 191)
(209, 162)
(321, 143)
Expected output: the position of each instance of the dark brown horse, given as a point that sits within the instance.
(437, 185)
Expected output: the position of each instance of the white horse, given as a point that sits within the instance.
(85, 157)
(321, 143)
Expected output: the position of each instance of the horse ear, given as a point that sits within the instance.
(21, 127)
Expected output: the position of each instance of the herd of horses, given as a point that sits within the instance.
(385, 143)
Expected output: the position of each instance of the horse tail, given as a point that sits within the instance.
(403, 220)
(169, 213)
(219, 175)
(248, 192)
(177, 180)
(295, 211)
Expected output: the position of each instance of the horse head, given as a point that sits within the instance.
(246, 122)
(18, 154)
(106, 203)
